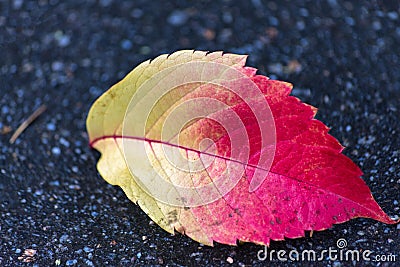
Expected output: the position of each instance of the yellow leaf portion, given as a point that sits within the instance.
(105, 123)
(107, 113)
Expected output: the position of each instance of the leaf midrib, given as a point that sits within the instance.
(144, 139)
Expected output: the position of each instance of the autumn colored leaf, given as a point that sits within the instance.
(210, 149)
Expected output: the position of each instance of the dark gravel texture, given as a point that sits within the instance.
(342, 57)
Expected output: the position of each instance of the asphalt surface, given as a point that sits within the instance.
(342, 57)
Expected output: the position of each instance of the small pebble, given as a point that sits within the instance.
(393, 15)
(64, 238)
(4, 109)
(17, 4)
(74, 187)
(71, 262)
(38, 192)
(145, 50)
(88, 249)
(51, 127)
(229, 260)
(105, 3)
(54, 183)
(57, 66)
(56, 151)
(376, 25)
(64, 142)
(227, 17)
(62, 39)
(303, 12)
(177, 18)
(89, 263)
(95, 91)
(349, 21)
(126, 44)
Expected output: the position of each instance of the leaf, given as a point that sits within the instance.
(210, 149)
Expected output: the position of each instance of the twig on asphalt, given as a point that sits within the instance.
(27, 122)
